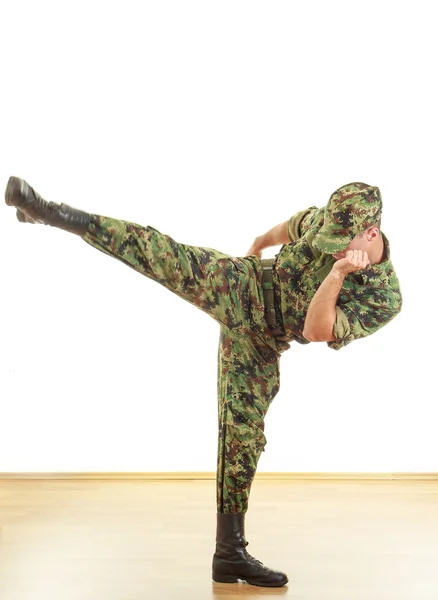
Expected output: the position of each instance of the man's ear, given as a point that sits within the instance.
(372, 233)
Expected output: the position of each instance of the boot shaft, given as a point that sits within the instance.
(230, 528)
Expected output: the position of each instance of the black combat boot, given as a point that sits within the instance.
(31, 208)
(231, 561)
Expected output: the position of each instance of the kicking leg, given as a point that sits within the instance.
(226, 288)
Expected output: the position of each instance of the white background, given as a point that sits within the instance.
(211, 121)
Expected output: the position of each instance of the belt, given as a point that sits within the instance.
(272, 315)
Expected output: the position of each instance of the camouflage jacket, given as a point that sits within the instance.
(368, 299)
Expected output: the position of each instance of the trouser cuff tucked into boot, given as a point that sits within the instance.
(231, 561)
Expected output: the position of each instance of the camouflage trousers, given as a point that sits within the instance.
(229, 290)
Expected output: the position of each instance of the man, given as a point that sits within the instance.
(332, 281)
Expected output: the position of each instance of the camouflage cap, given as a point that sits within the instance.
(350, 210)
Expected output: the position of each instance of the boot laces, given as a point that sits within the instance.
(50, 207)
(248, 555)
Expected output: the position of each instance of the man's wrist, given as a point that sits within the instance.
(337, 273)
(260, 242)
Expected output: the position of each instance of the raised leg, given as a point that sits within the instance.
(226, 288)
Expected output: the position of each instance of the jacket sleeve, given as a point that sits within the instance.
(300, 222)
(358, 318)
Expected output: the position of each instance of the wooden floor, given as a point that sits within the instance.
(135, 540)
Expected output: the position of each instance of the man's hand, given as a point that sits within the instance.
(255, 248)
(274, 237)
(355, 260)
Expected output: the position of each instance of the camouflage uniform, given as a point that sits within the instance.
(230, 290)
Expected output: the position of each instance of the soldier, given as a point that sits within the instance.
(331, 281)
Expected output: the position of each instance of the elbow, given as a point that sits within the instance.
(318, 335)
(311, 337)
(319, 329)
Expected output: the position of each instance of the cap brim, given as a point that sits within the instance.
(329, 244)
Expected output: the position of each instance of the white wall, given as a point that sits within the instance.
(212, 122)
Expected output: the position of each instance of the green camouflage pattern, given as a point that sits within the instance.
(350, 210)
(248, 381)
(229, 290)
(368, 300)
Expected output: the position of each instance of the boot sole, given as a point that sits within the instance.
(13, 192)
(14, 197)
(234, 579)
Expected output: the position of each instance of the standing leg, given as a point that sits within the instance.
(248, 380)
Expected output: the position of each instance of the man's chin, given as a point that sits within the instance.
(338, 255)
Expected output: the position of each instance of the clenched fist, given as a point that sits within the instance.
(354, 260)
